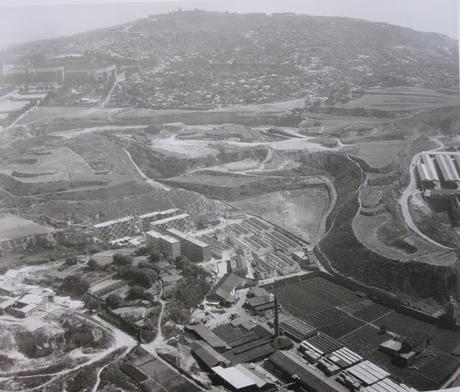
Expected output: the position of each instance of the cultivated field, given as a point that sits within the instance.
(355, 322)
(401, 99)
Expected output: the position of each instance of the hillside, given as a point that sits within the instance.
(198, 59)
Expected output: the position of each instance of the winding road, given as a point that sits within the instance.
(404, 202)
(152, 183)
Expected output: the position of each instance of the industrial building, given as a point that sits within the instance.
(163, 243)
(150, 217)
(26, 75)
(60, 74)
(438, 176)
(180, 222)
(224, 290)
(243, 378)
(194, 249)
(439, 171)
(117, 228)
(207, 356)
(204, 333)
(128, 226)
(291, 368)
(297, 329)
(88, 73)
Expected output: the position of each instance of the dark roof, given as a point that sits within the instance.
(257, 301)
(208, 336)
(324, 343)
(208, 355)
(292, 365)
(224, 287)
(254, 351)
(298, 329)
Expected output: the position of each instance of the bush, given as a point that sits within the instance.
(136, 292)
(114, 301)
(122, 260)
(90, 302)
(155, 256)
(71, 260)
(75, 285)
(92, 265)
(142, 251)
(139, 276)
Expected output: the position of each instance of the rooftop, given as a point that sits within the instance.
(295, 366)
(235, 376)
(113, 222)
(164, 237)
(156, 213)
(169, 219)
(225, 286)
(207, 335)
(188, 237)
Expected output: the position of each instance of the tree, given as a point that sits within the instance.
(92, 265)
(142, 251)
(114, 301)
(122, 260)
(144, 264)
(139, 276)
(90, 302)
(75, 285)
(155, 256)
(136, 292)
(71, 260)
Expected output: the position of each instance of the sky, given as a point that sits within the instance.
(26, 20)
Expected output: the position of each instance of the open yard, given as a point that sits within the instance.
(50, 165)
(300, 211)
(14, 227)
(377, 154)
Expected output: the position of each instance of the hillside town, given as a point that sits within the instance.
(210, 201)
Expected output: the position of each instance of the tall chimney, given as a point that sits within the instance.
(277, 327)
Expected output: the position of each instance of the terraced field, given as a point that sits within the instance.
(356, 322)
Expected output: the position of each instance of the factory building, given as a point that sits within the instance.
(150, 217)
(59, 74)
(117, 228)
(86, 73)
(24, 75)
(439, 171)
(181, 222)
(163, 243)
(194, 249)
(158, 221)
(438, 176)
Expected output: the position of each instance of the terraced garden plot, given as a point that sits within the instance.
(334, 323)
(440, 368)
(366, 310)
(404, 325)
(334, 289)
(298, 302)
(364, 341)
(446, 340)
